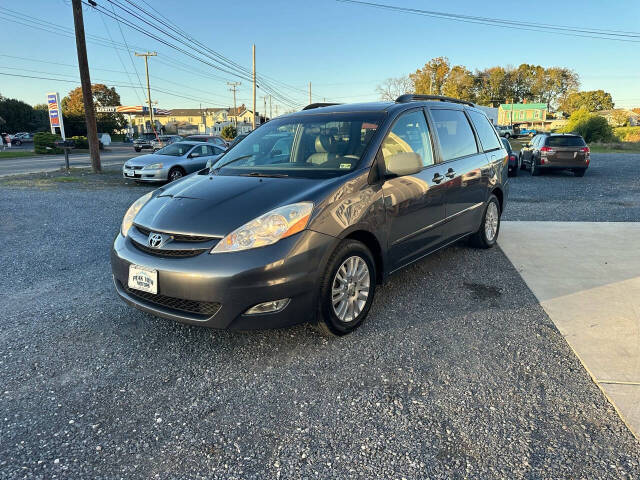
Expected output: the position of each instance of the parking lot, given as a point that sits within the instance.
(457, 373)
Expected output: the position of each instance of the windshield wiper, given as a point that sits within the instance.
(264, 174)
(233, 161)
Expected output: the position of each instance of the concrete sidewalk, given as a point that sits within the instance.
(587, 278)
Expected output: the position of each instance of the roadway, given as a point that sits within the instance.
(115, 154)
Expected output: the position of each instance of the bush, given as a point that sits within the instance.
(593, 128)
(627, 134)
(229, 132)
(44, 142)
(80, 142)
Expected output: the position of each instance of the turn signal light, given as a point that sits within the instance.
(547, 149)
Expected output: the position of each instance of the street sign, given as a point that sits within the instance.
(134, 109)
(55, 113)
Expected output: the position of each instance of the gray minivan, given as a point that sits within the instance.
(303, 218)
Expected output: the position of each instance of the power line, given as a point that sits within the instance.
(602, 34)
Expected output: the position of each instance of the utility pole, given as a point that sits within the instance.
(276, 109)
(146, 66)
(310, 101)
(85, 81)
(234, 86)
(270, 109)
(264, 98)
(254, 87)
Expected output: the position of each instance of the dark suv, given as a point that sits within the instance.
(303, 218)
(556, 151)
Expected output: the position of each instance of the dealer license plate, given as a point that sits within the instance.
(144, 279)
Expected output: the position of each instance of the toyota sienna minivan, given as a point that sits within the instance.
(303, 218)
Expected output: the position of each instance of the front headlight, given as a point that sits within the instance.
(267, 229)
(135, 207)
(153, 166)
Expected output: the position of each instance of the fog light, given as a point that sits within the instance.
(268, 307)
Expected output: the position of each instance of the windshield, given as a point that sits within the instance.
(303, 146)
(175, 149)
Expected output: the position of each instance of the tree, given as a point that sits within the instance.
(592, 101)
(559, 83)
(392, 88)
(493, 86)
(18, 115)
(593, 128)
(460, 84)
(430, 78)
(229, 132)
(103, 96)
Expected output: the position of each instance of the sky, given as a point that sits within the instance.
(344, 50)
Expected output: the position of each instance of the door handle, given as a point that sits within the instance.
(450, 173)
(437, 178)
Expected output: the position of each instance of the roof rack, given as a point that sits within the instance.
(410, 97)
(318, 105)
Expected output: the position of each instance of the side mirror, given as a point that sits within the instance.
(275, 152)
(401, 164)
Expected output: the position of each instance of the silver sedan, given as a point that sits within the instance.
(172, 162)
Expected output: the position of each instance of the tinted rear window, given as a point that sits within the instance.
(565, 142)
(455, 134)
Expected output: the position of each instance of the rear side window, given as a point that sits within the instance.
(488, 137)
(455, 134)
(562, 141)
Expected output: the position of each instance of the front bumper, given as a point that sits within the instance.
(146, 175)
(236, 281)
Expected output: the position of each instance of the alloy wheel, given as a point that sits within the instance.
(175, 175)
(350, 288)
(491, 222)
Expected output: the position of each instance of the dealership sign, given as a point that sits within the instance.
(134, 109)
(55, 113)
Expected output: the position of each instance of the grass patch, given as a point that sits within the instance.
(82, 178)
(617, 147)
(16, 154)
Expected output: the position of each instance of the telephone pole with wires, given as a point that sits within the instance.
(85, 82)
(264, 98)
(254, 88)
(234, 86)
(146, 66)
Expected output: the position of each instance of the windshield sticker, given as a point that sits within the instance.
(345, 165)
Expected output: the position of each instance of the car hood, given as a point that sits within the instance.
(215, 205)
(150, 158)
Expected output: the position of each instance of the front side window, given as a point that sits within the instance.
(488, 138)
(409, 135)
(455, 134)
(310, 145)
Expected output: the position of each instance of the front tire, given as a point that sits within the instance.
(487, 234)
(137, 149)
(347, 289)
(176, 173)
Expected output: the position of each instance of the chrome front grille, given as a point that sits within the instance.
(179, 246)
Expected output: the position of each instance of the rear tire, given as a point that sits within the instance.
(487, 234)
(535, 171)
(506, 135)
(513, 172)
(347, 289)
(579, 172)
(522, 165)
(137, 149)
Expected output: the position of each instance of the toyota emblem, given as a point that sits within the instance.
(156, 240)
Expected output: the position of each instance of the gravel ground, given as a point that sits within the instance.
(609, 192)
(457, 373)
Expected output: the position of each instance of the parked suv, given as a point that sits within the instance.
(164, 140)
(143, 141)
(505, 131)
(269, 237)
(556, 151)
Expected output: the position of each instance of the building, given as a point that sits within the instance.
(532, 114)
(190, 121)
(619, 117)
